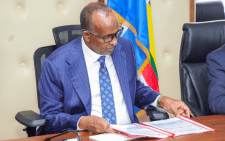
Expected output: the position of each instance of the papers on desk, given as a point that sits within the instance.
(109, 137)
(177, 126)
(137, 131)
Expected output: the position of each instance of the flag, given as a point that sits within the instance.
(136, 18)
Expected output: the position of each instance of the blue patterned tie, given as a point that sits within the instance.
(108, 107)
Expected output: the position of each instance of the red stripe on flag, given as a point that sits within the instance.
(150, 78)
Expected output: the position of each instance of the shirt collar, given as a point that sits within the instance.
(90, 55)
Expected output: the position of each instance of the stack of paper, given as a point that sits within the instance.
(177, 126)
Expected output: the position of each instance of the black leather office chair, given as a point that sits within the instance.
(62, 35)
(198, 40)
(209, 10)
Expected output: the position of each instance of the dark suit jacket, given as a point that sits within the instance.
(216, 77)
(65, 90)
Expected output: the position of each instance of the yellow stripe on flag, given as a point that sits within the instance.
(151, 33)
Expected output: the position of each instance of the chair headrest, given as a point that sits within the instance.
(66, 33)
(209, 10)
(201, 38)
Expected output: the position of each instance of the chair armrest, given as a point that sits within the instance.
(195, 110)
(30, 119)
(156, 114)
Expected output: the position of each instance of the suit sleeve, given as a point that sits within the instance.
(51, 104)
(216, 79)
(144, 95)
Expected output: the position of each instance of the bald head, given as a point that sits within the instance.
(86, 16)
(100, 25)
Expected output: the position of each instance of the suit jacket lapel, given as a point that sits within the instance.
(78, 75)
(119, 60)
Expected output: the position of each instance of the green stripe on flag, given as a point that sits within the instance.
(152, 63)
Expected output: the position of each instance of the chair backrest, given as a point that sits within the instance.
(62, 35)
(209, 10)
(39, 56)
(65, 34)
(198, 40)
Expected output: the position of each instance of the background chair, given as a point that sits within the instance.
(198, 40)
(62, 35)
(65, 34)
(209, 10)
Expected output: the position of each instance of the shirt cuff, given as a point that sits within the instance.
(155, 102)
(78, 128)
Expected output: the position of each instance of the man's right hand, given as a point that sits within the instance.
(95, 124)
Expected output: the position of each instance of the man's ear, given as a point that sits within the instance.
(86, 35)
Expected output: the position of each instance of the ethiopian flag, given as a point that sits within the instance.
(136, 18)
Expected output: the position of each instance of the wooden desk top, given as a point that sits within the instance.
(216, 121)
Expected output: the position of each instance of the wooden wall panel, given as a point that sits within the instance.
(192, 10)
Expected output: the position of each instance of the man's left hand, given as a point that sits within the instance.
(176, 107)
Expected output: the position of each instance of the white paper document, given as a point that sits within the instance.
(109, 137)
(136, 130)
(178, 126)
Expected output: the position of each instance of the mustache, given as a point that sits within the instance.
(110, 46)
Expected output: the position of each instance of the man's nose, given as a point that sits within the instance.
(114, 41)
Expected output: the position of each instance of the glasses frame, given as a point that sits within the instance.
(104, 38)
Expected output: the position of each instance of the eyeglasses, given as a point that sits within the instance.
(108, 38)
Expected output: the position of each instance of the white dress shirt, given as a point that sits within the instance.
(92, 64)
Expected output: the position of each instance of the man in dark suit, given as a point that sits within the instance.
(92, 81)
(216, 78)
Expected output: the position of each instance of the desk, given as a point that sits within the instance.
(215, 121)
